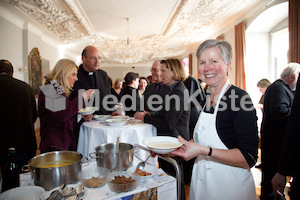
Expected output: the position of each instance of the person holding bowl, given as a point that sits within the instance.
(57, 126)
(225, 136)
(173, 117)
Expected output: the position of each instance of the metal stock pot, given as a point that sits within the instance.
(52, 169)
(108, 158)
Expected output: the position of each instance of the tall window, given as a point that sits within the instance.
(279, 49)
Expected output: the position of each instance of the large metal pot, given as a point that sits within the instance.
(108, 158)
(52, 169)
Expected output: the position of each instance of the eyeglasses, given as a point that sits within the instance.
(94, 58)
(154, 70)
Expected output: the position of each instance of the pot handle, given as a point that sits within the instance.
(135, 149)
(86, 162)
(93, 156)
(26, 168)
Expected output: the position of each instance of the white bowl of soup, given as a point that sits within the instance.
(162, 144)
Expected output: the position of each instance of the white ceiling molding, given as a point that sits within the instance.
(158, 29)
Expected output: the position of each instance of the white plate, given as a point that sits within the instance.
(116, 122)
(87, 110)
(101, 118)
(148, 168)
(162, 144)
(24, 193)
(86, 190)
(119, 117)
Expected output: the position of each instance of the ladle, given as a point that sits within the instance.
(117, 145)
(141, 165)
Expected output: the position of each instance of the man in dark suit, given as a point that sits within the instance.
(290, 154)
(277, 108)
(18, 114)
(91, 77)
(155, 88)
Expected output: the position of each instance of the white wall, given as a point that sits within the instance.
(18, 38)
(12, 46)
(257, 62)
(120, 72)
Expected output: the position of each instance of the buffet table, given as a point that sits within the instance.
(165, 185)
(95, 133)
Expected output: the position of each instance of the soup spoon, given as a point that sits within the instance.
(141, 165)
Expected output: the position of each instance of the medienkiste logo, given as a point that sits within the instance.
(54, 100)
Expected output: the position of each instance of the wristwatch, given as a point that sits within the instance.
(210, 151)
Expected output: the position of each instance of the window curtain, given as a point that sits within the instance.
(294, 31)
(240, 48)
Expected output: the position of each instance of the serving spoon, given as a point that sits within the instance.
(141, 165)
(117, 145)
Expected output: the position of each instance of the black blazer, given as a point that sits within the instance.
(277, 108)
(128, 102)
(193, 85)
(290, 157)
(102, 83)
(18, 114)
(172, 122)
(151, 90)
(113, 92)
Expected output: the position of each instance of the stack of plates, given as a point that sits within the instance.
(24, 193)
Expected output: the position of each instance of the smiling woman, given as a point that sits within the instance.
(225, 136)
(57, 112)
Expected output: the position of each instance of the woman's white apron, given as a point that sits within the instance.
(212, 180)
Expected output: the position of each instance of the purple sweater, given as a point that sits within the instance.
(57, 127)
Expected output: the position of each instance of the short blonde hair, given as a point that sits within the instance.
(176, 66)
(117, 81)
(60, 73)
(263, 83)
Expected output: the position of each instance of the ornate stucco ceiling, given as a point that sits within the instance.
(155, 28)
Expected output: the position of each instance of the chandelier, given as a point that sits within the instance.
(127, 53)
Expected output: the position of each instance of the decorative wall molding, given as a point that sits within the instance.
(190, 24)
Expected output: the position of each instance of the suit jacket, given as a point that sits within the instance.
(102, 83)
(128, 101)
(290, 157)
(113, 92)
(277, 108)
(172, 122)
(193, 85)
(151, 89)
(18, 114)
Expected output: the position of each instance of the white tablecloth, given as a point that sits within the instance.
(95, 133)
(166, 187)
